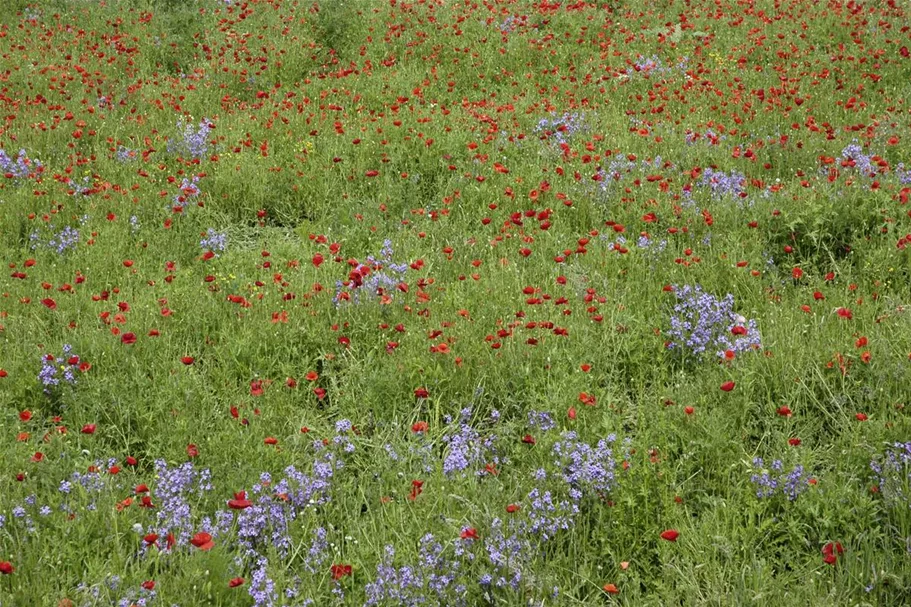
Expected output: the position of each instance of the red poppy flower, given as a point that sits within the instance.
(528, 439)
(235, 582)
(271, 440)
(831, 551)
(417, 487)
(256, 387)
(611, 589)
(340, 571)
(192, 450)
(25, 415)
(240, 501)
(512, 508)
(6, 567)
(670, 535)
(203, 541)
(469, 534)
(88, 429)
(419, 427)
(784, 411)
(49, 303)
(150, 539)
(187, 360)
(421, 393)
(861, 417)
(128, 338)
(149, 584)
(727, 386)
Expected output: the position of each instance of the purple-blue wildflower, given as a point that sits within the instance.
(467, 449)
(21, 167)
(702, 324)
(775, 480)
(217, 242)
(57, 369)
(723, 184)
(561, 129)
(383, 275)
(192, 142)
(893, 474)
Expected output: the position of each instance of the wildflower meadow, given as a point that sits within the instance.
(455, 302)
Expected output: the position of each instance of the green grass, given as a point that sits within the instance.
(516, 284)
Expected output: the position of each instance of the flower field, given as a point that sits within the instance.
(455, 302)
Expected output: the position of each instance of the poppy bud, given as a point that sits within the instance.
(670, 535)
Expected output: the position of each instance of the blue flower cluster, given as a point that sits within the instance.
(619, 166)
(561, 129)
(775, 480)
(853, 156)
(172, 492)
(217, 242)
(193, 141)
(646, 66)
(893, 474)
(55, 369)
(188, 191)
(467, 449)
(378, 277)
(723, 184)
(20, 167)
(430, 581)
(125, 155)
(702, 323)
